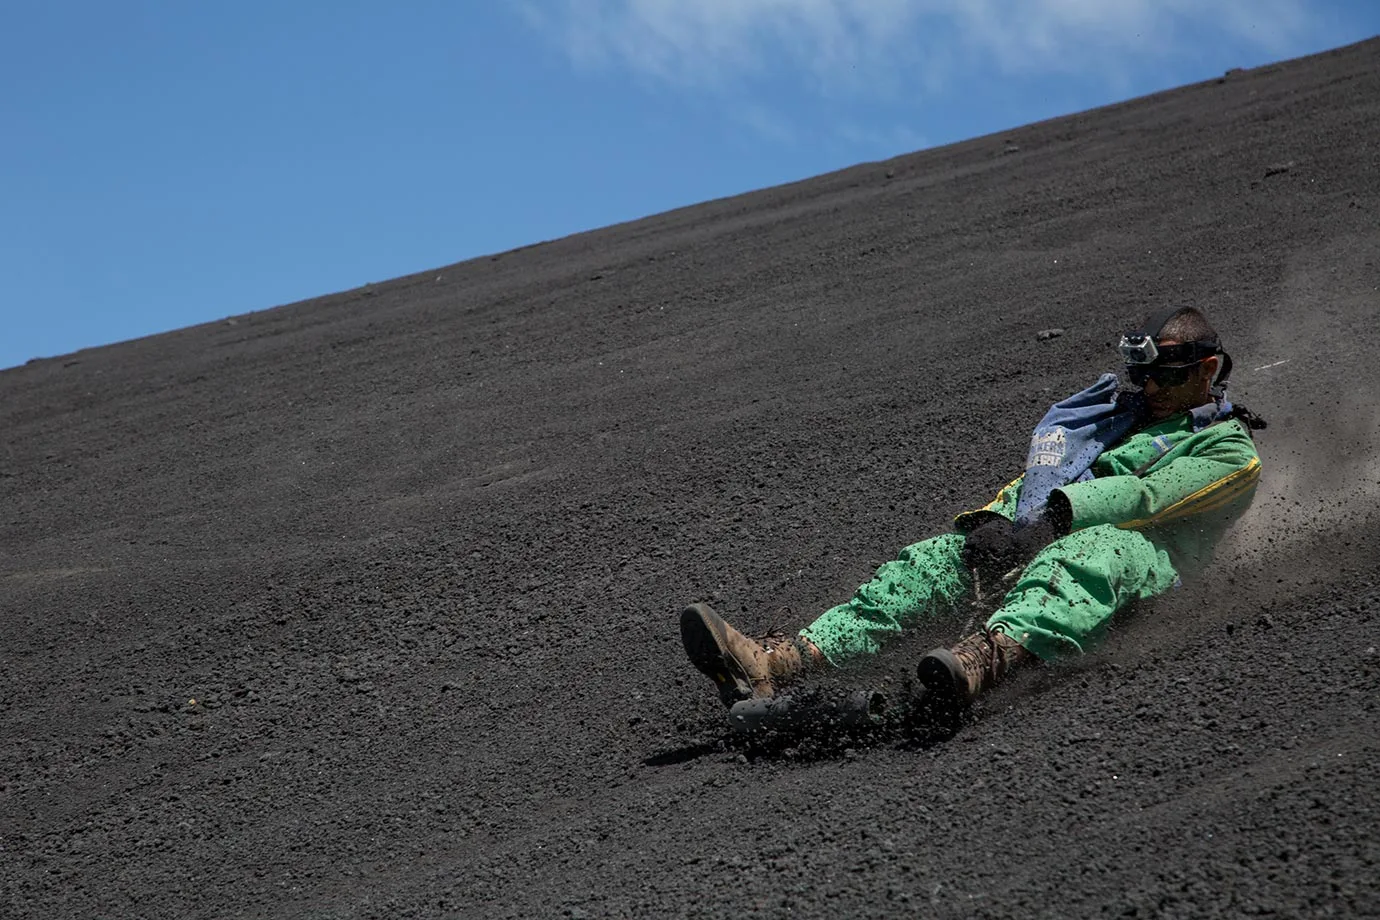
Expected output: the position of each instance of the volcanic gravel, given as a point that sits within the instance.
(367, 606)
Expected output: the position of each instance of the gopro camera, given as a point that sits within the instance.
(1138, 349)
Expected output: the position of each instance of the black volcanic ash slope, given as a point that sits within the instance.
(366, 606)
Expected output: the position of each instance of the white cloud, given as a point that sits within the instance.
(862, 46)
(764, 123)
(898, 137)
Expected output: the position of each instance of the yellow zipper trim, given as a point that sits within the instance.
(1250, 472)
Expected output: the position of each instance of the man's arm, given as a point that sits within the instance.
(1204, 478)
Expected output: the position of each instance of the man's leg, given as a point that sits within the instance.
(1065, 596)
(1060, 602)
(925, 580)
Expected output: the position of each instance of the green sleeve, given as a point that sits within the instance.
(1206, 472)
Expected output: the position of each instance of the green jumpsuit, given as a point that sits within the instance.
(1137, 525)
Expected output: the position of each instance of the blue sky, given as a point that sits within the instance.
(166, 163)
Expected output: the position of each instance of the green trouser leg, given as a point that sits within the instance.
(1068, 592)
(926, 579)
(1062, 599)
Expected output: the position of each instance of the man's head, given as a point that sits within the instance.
(1174, 363)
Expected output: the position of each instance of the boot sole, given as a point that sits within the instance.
(702, 632)
(946, 702)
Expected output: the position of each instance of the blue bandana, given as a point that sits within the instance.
(1074, 433)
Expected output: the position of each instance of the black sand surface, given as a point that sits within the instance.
(366, 607)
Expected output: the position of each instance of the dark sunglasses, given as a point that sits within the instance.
(1164, 375)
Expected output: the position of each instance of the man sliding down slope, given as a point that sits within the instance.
(1123, 492)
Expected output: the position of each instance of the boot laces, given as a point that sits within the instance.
(987, 658)
(775, 635)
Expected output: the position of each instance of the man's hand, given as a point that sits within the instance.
(995, 548)
(1034, 537)
(991, 550)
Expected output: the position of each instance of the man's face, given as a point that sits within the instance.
(1161, 402)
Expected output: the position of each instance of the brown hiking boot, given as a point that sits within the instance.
(954, 677)
(742, 667)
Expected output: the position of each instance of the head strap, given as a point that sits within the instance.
(1156, 324)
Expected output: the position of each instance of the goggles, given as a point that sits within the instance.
(1164, 375)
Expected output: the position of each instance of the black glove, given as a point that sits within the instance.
(996, 547)
(990, 550)
(1034, 537)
